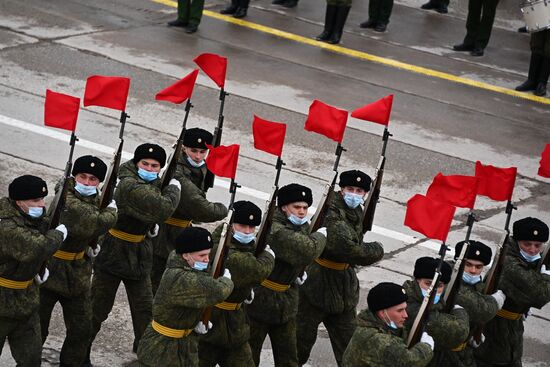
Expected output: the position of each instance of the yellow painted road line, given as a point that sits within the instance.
(365, 56)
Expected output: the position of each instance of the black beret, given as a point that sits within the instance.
(355, 178)
(150, 151)
(247, 213)
(530, 229)
(197, 138)
(193, 239)
(385, 295)
(27, 187)
(476, 251)
(425, 267)
(292, 193)
(91, 165)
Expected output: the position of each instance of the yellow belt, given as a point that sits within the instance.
(229, 306)
(183, 223)
(169, 332)
(460, 348)
(64, 255)
(508, 315)
(14, 284)
(275, 286)
(331, 264)
(128, 237)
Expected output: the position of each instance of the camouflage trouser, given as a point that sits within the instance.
(24, 339)
(77, 314)
(283, 342)
(190, 11)
(340, 329)
(140, 298)
(210, 355)
(159, 265)
(156, 350)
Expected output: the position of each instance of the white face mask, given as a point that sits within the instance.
(195, 164)
(297, 221)
(389, 322)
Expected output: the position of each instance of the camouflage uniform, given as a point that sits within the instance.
(331, 295)
(193, 206)
(374, 344)
(227, 343)
(179, 304)
(524, 287)
(140, 205)
(69, 282)
(25, 243)
(274, 312)
(449, 330)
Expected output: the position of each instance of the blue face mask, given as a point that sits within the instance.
(199, 265)
(529, 258)
(195, 164)
(353, 200)
(36, 211)
(436, 298)
(297, 221)
(471, 279)
(244, 237)
(391, 324)
(147, 176)
(85, 190)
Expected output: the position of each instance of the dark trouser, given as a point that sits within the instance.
(340, 329)
(77, 314)
(24, 339)
(479, 23)
(140, 298)
(190, 11)
(283, 342)
(159, 265)
(211, 355)
(380, 10)
(540, 43)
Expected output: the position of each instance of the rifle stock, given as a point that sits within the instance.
(373, 197)
(318, 218)
(418, 325)
(451, 291)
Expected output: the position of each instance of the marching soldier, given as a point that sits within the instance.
(331, 292)
(227, 343)
(171, 339)
(190, 172)
(126, 255)
(335, 18)
(25, 243)
(539, 66)
(526, 284)
(71, 269)
(379, 339)
(449, 330)
(275, 304)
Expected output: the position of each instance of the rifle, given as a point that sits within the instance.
(108, 189)
(209, 178)
(267, 219)
(172, 165)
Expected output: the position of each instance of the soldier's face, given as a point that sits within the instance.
(151, 165)
(200, 256)
(86, 179)
(298, 208)
(353, 190)
(30, 203)
(244, 228)
(398, 314)
(531, 247)
(196, 154)
(425, 283)
(473, 267)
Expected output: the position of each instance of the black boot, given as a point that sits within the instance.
(533, 75)
(341, 16)
(368, 24)
(330, 17)
(429, 5)
(543, 77)
(231, 8)
(240, 13)
(87, 362)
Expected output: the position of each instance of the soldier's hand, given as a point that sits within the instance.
(500, 297)
(457, 307)
(426, 338)
(250, 298)
(93, 252)
(544, 271)
(112, 205)
(61, 228)
(227, 273)
(201, 328)
(41, 279)
(474, 343)
(175, 183)
(153, 232)
(323, 231)
(301, 279)
(269, 250)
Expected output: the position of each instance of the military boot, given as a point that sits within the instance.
(341, 16)
(330, 17)
(231, 8)
(242, 9)
(533, 76)
(543, 77)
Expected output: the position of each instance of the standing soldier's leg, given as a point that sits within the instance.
(26, 343)
(237, 357)
(242, 9)
(258, 332)
(140, 298)
(473, 21)
(77, 313)
(374, 5)
(535, 64)
(48, 300)
(231, 8)
(307, 323)
(386, 7)
(486, 24)
(181, 20)
(339, 23)
(283, 343)
(545, 63)
(183, 10)
(330, 17)
(340, 330)
(195, 14)
(104, 288)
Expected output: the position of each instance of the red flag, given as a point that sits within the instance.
(268, 136)
(544, 169)
(180, 91)
(107, 91)
(215, 66)
(431, 218)
(61, 110)
(455, 190)
(222, 160)
(378, 112)
(496, 183)
(327, 120)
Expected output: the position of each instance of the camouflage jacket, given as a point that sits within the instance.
(449, 330)
(25, 243)
(192, 206)
(524, 287)
(231, 327)
(140, 206)
(84, 222)
(337, 291)
(386, 347)
(294, 250)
